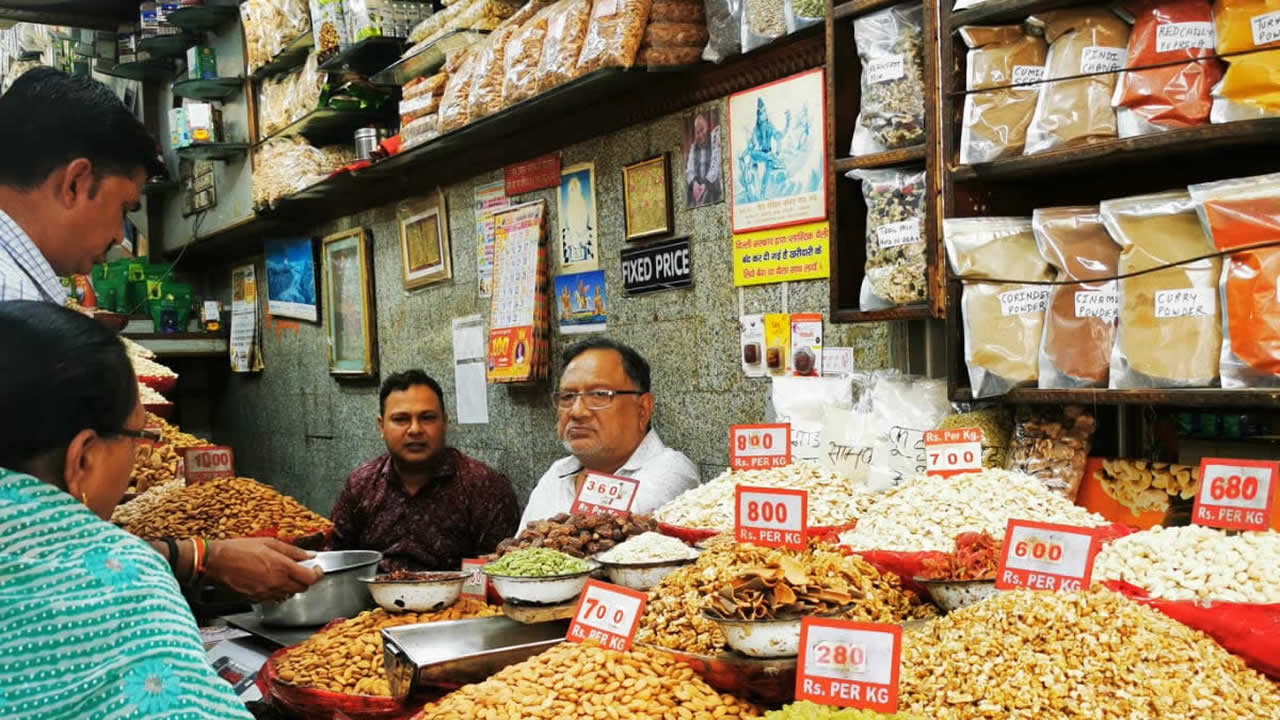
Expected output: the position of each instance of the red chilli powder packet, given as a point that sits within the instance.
(1174, 96)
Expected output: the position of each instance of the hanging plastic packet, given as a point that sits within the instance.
(1238, 213)
(903, 408)
(1003, 321)
(891, 48)
(800, 401)
(1169, 332)
(801, 14)
(896, 268)
(995, 121)
(724, 27)
(1170, 96)
(763, 21)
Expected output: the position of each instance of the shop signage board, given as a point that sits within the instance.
(771, 517)
(782, 255)
(661, 266)
(607, 614)
(606, 494)
(849, 664)
(1043, 556)
(755, 447)
(1235, 494)
(953, 452)
(208, 462)
(477, 586)
(539, 173)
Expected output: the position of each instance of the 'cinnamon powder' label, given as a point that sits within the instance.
(1097, 304)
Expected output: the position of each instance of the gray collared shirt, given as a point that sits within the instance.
(25, 274)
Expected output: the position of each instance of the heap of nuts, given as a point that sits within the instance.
(1196, 563)
(673, 617)
(154, 497)
(579, 535)
(1143, 486)
(1095, 655)
(806, 710)
(784, 589)
(226, 508)
(153, 465)
(171, 435)
(588, 681)
(347, 657)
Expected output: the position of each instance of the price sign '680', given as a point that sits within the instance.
(1235, 494)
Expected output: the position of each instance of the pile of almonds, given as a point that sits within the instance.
(227, 508)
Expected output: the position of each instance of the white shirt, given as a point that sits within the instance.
(25, 274)
(663, 474)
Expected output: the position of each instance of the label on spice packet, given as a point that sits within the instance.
(953, 452)
(607, 614)
(897, 234)
(885, 69)
(1097, 59)
(1235, 494)
(1024, 300)
(606, 494)
(1102, 304)
(1184, 36)
(1266, 28)
(1027, 74)
(752, 447)
(1043, 556)
(849, 664)
(206, 463)
(771, 517)
(1191, 302)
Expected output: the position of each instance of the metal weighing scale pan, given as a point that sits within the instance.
(280, 636)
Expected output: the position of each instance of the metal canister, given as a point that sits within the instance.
(366, 143)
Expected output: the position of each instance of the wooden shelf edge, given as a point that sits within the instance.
(854, 8)
(1190, 397)
(880, 160)
(913, 312)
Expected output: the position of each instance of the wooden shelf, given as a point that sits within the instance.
(202, 18)
(166, 46)
(141, 71)
(366, 57)
(1008, 11)
(879, 160)
(294, 55)
(326, 126)
(224, 152)
(910, 312)
(850, 10)
(1191, 397)
(208, 89)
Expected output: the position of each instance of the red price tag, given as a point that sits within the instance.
(606, 494)
(607, 614)
(771, 517)
(953, 452)
(1042, 556)
(209, 462)
(478, 585)
(1235, 494)
(753, 447)
(849, 664)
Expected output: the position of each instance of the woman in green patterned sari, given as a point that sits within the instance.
(92, 624)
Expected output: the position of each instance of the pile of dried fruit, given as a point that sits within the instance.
(785, 588)
(537, 562)
(650, 547)
(588, 681)
(578, 535)
(1028, 655)
(1196, 563)
(347, 657)
(1141, 485)
(976, 557)
(225, 508)
(171, 435)
(813, 711)
(153, 466)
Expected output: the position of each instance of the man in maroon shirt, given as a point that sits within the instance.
(423, 504)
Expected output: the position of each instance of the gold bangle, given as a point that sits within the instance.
(195, 558)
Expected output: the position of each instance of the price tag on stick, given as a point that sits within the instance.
(477, 586)
(753, 447)
(953, 452)
(606, 494)
(1235, 494)
(1042, 556)
(607, 614)
(771, 517)
(206, 463)
(849, 664)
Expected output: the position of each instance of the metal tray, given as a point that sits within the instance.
(457, 652)
(428, 59)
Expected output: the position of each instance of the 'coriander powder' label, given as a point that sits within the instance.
(1024, 300)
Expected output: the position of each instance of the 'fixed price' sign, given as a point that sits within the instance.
(953, 452)
(753, 447)
(771, 517)
(605, 494)
(849, 664)
(1042, 556)
(206, 463)
(1235, 494)
(607, 614)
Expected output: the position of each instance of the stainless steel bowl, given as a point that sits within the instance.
(549, 590)
(399, 596)
(953, 595)
(340, 593)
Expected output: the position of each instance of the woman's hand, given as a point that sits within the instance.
(261, 568)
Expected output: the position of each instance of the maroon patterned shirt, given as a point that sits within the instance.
(464, 511)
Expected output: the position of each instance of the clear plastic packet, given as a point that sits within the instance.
(995, 122)
(1052, 445)
(487, 73)
(903, 408)
(420, 131)
(800, 401)
(896, 271)
(1253, 81)
(566, 31)
(1003, 322)
(454, 105)
(763, 21)
(891, 47)
(1080, 321)
(724, 27)
(329, 27)
(419, 106)
(800, 14)
(614, 34)
(1170, 332)
(521, 58)
(1238, 213)
(1077, 112)
(996, 423)
(678, 11)
(674, 35)
(668, 56)
(424, 86)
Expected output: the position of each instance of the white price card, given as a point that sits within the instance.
(607, 614)
(476, 586)
(1043, 556)
(953, 452)
(606, 494)
(753, 447)
(208, 462)
(849, 664)
(1235, 494)
(771, 517)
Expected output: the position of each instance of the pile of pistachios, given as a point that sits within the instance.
(536, 562)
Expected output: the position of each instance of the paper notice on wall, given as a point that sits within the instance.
(489, 197)
(246, 337)
(468, 370)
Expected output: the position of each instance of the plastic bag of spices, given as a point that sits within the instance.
(801, 14)
(995, 121)
(1084, 41)
(566, 30)
(1080, 323)
(614, 34)
(1173, 95)
(763, 21)
(1238, 213)
(891, 47)
(1169, 332)
(896, 272)
(1003, 321)
(724, 26)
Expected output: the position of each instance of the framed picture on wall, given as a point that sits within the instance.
(425, 257)
(646, 197)
(348, 303)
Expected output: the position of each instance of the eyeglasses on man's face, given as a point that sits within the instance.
(591, 399)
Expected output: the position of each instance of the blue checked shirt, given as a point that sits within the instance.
(25, 274)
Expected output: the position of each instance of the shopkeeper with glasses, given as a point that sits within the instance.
(603, 408)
